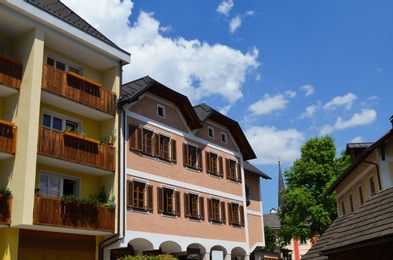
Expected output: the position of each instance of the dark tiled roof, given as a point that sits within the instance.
(363, 145)
(372, 222)
(251, 168)
(61, 11)
(272, 220)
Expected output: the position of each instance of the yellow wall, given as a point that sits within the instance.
(9, 243)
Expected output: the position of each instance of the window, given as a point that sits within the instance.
(60, 122)
(235, 214)
(223, 137)
(139, 196)
(350, 202)
(372, 185)
(62, 65)
(168, 201)
(161, 111)
(192, 156)
(360, 195)
(193, 206)
(58, 185)
(152, 144)
(343, 207)
(216, 210)
(214, 164)
(303, 242)
(233, 170)
(210, 131)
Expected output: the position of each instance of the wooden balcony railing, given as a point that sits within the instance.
(8, 133)
(10, 71)
(52, 211)
(5, 211)
(76, 148)
(79, 89)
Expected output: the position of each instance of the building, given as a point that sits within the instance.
(59, 82)
(364, 194)
(190, 190)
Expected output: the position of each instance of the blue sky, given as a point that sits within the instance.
(285, 70)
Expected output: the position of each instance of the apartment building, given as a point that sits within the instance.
(189, 190)
(59, 82)
(364, 196)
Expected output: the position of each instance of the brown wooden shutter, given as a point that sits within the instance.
(220, 167)
(208, 166)
(199, 155)
(223, 218)
(173, 150)
(157, 148)
(130, 193)
(227, 169)
(239, 172)
(150, 198)
(134, 142)
(160, 199)
(185, 159)
(209, 209)
(201, 208)
(230, 213)
(241, 209)
(177, 203)
(186, 205)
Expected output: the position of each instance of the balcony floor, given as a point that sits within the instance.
(79, 231)
(6, 91)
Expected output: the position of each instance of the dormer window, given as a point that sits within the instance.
(224, 137)
(161, 111)
(210, 131)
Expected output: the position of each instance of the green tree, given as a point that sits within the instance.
(271, 240)
(307, 211)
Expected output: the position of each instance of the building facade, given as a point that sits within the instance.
(59, 83)
(189, 190)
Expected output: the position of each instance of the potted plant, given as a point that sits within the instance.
(5, 194)
(111, 138)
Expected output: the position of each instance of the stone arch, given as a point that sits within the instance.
(141, 244)
(168, 247)
(216, 250)
(238, 253)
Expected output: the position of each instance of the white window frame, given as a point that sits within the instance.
(63, 117)
(61, 178)
(162, 108)
(224, 137)
(360, 193)
(210, 130)
(66, 62)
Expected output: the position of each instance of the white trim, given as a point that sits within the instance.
(63, 117)
(208, 131)
(159, 106)
(254, 212)
(62, 177)
(226, 137)
(354, 181)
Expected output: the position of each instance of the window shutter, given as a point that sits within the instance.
(239, 172)
(241, 209)
(160, 199)
(220, 167)
(177, 203)
(201, 208)
(150, 198)
(227, 168)
(230, 213)
(185, 152)
(186, 204)
(223, 218)
(134, 138)
(199, 154)
(130, 193)
(209, 209)
(157, 148)
(207, 157)
(173, 150)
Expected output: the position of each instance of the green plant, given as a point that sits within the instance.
(5, 193)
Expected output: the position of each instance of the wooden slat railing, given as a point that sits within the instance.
(10, 71)
(8, 133)
(76, 148)
(52, 211)
(79, 89)
(5, 211)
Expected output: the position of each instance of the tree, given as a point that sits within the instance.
(307, 211)
(271, 238)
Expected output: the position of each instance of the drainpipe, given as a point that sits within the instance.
(379, 177)
(121, 134)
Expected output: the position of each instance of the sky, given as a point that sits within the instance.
(286, 70)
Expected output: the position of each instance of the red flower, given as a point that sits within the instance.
(1, 195)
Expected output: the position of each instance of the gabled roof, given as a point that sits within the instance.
(366, 152)
(252, 169)
(371, 224)
(272, 220)
(61, 11)
(205, 113)
(131, 92)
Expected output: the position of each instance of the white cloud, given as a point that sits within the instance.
(365, 117)
(310, 110)
(268, 103)
(326, 129)
(308, 89)
(201, 69)
(357, 139)
(234, 24)
(269, 143)
(346, 101)
(225, 7)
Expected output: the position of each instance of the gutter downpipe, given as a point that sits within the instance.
(379, 177)
(121, 135)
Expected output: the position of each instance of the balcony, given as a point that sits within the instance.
(5, 211)
(8, 133)
(91, 98)
(52, 211)
(10, 75)
(77, 150)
